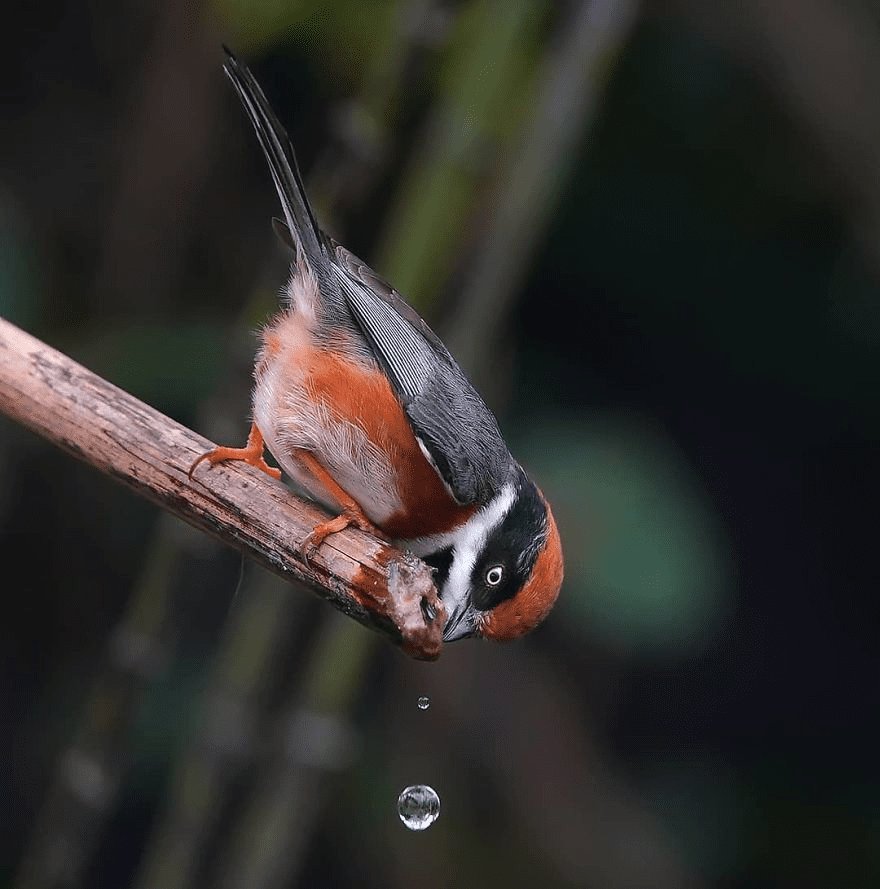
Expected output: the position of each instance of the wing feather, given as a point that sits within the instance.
(446, 414)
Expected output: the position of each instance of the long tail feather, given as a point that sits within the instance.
(282, 162)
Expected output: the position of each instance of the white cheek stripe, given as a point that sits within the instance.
(468, 542)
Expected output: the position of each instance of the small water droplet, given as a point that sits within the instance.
(418, 806)
(424, 702)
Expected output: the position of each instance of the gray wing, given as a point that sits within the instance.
(446, 414)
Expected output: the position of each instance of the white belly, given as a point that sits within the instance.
(290, 420)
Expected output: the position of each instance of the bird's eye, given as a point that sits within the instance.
(494, 575)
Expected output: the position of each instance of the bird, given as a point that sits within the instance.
(364, 408)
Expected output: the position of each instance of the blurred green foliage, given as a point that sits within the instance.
(646, 568)
(341, 39)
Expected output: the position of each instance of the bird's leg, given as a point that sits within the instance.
(351, 513)
(252, 453)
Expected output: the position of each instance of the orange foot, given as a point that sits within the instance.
(350, 515)
(252, 453)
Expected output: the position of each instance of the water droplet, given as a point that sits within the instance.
(418, 806)
(424, 702)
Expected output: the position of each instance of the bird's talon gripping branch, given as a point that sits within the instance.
(348, 517)
(251, 453)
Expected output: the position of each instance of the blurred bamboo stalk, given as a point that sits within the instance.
(313, 741)
(572, 75)
(228, 736)
(92, 767)
(478, 107)
(144, 245)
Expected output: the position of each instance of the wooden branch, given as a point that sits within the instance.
(381, 587)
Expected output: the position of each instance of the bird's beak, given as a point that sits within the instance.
(460, 624)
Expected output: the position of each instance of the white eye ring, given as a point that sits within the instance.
(494, 575)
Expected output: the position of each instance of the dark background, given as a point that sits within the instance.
(684, 351)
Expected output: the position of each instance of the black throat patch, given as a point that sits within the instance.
(512, 546)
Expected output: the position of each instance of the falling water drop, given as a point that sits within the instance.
(418, 806)
(424, 702)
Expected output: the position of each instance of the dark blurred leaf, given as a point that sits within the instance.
(20, 293)
(173, 366)
(340, 36)
(645, 564)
